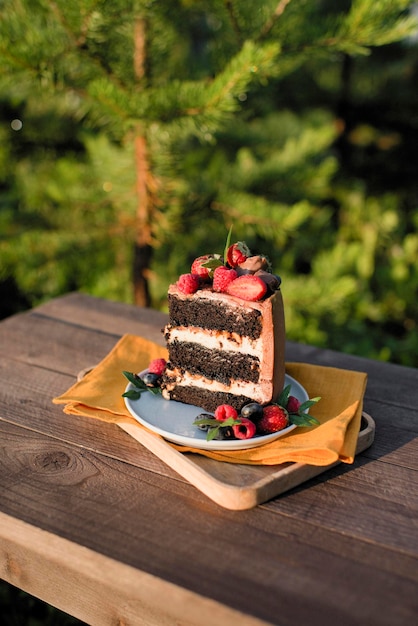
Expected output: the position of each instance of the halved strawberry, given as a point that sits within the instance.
(237, 253)
(247, 287)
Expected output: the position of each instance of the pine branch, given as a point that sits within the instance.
(366, 26)
(270, 23)
(234, 21)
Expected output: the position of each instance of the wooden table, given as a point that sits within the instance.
(95, 524)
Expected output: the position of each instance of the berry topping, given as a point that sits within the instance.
(151, 380)
(297, 411)
(252, 411)
(224, 412)
(237, 253)
(224, 432)
(202, 421)
(274, 418)
(188, 283)
(157, 366)
(293, 405)
(200, 269)
(255, 263)
(222, 277)
(245, 430)
(247, 287)
(272, 280)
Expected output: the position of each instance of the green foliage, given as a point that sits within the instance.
(249, 120)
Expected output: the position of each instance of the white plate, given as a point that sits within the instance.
(174, 420)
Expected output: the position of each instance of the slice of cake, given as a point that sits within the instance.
(226, 332)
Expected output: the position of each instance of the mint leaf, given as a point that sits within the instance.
(303, 420)
(283, 398)
(132, 394)
(135, 394)
(212, 433)
(206, 421)
(212, 264)
(135, 380)
(306, 405)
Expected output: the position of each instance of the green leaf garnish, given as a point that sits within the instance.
(303, 419)
(132, 394)
(227, 243)
(212, 264)
(307, 405)
(283, 398)
(135, 380)
(135, 394)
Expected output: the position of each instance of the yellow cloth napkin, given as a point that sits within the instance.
(99, 395)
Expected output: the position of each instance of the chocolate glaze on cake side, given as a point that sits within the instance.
(226, 332)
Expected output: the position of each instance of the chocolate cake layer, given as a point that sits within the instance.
(207, 400)
(214, 316)
(218, 365)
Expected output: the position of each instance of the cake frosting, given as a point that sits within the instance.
(226, 333)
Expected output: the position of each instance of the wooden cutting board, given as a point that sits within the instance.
(235, 486)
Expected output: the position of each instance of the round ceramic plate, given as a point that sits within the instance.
(174, 420)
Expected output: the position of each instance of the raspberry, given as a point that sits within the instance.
(237, 253)
(224, 412)
(293, 405)
(222, 277)
(157, 366)
(247, 287)
(274, 418)
(245, 430)
(188, 283)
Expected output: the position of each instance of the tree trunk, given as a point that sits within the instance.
(143, 239)
(143, 247)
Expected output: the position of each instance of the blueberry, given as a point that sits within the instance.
(151, 380)
(225, 432)
(252, 411)
(204, 416)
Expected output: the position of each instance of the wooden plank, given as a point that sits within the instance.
(77, 487)
(110, 317)
(98, 590)
(52, 344)
(281, 562)
(26, 394)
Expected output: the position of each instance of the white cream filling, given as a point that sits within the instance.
(216, 340)
(256, 391)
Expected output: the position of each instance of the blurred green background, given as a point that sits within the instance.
(133, 134)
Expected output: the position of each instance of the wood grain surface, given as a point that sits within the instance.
(95, 523)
